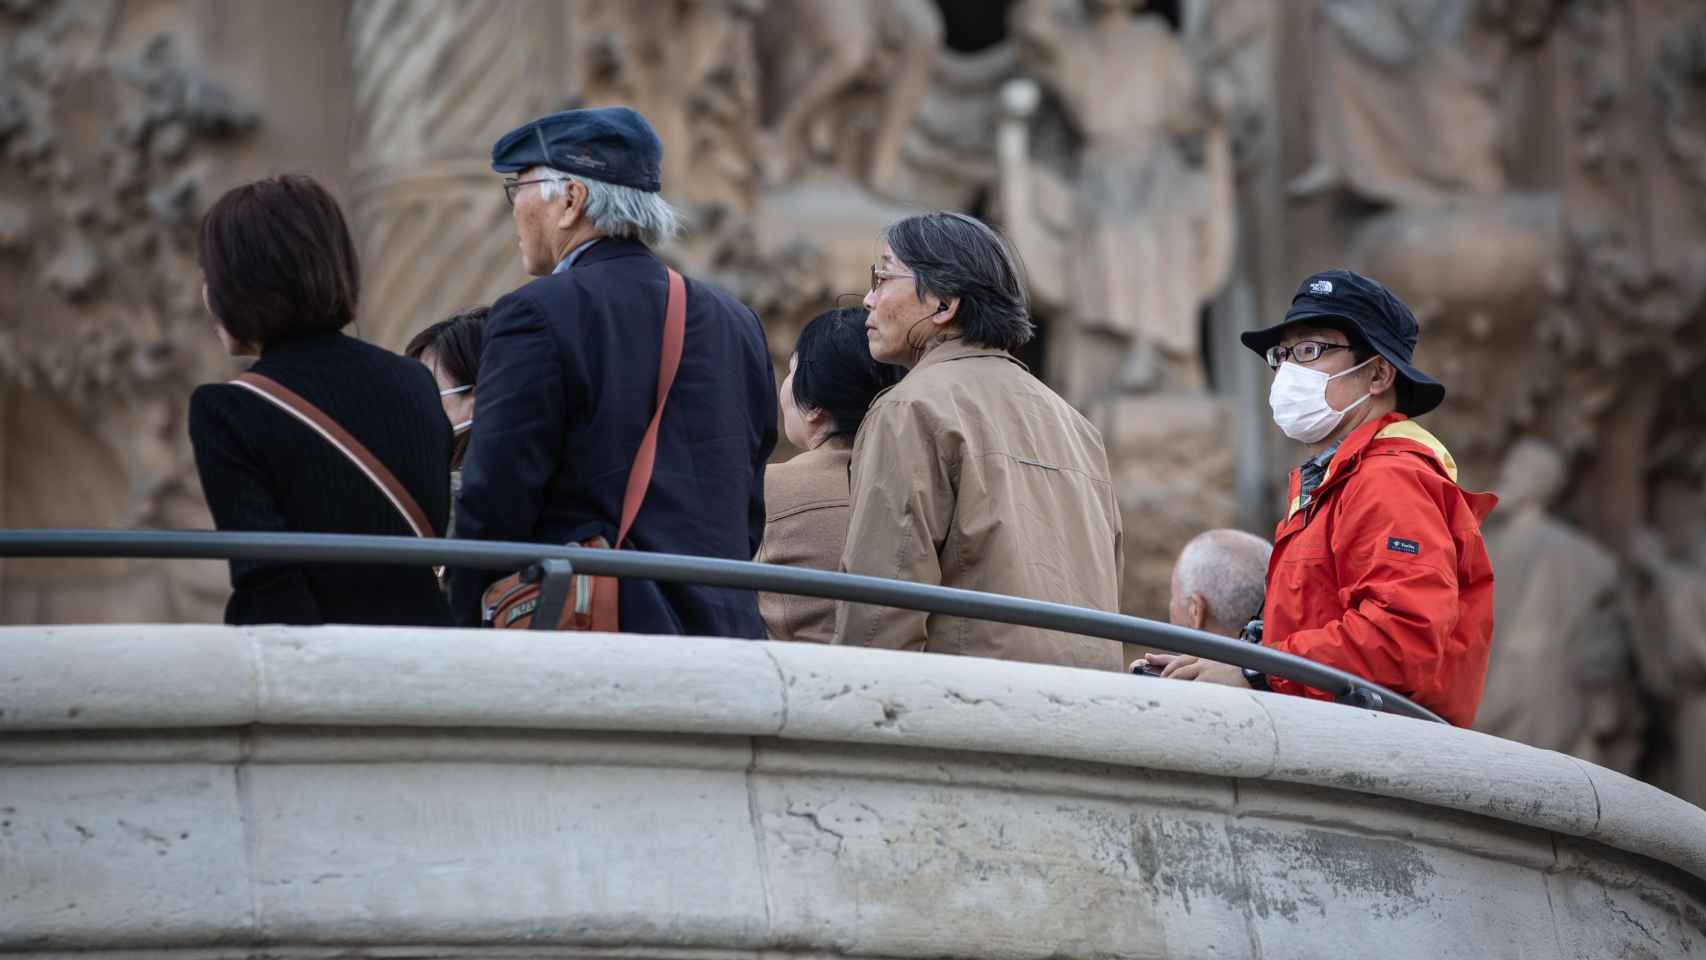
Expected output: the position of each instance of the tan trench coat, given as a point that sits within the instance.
(971, 473)
(805, 525)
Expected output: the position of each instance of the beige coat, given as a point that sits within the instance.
(805, 525)
(971, 473)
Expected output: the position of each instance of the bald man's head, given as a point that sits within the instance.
(1219, 581)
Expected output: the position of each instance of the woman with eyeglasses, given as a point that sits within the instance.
(450, 348)
(831, 381)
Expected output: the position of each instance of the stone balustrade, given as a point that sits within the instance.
(194, 791)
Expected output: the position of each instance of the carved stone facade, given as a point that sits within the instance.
(1529, 174)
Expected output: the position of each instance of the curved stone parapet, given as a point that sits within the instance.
(333, 791)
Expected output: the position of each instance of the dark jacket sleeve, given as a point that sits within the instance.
(520, 412)
(239, 494)
(767, 417)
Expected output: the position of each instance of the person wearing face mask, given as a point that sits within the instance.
(1379, 567)
(451, 350)
(971, 472)
(831, 380)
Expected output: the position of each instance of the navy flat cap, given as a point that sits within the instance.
(612, 144)
(1359, 305)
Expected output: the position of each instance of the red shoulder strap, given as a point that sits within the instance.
(294, 404)
(674, 335)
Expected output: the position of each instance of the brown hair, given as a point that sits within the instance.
(278, 260)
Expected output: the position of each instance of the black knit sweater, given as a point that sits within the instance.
(263, 470)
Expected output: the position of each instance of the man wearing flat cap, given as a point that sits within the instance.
(1378, 568)
(570, 374)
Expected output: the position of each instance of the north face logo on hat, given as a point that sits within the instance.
(1320, 286)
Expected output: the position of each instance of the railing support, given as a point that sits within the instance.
(555, 576)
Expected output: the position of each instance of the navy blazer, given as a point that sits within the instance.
(567, 382)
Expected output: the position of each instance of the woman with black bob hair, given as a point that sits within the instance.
(830, 383)
(450, 348)
(971, 472)
(324, 433)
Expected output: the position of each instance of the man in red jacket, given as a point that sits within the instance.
(1378, 568)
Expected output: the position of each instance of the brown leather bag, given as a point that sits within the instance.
(294, 404)
(591, 604)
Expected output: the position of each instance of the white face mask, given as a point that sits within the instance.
(453, 391)
(1299, 400)
(458, 429)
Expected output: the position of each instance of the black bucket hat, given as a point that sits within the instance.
(1342, 298)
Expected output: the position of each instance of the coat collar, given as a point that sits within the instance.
(1394, 432)
(612, 248)
(958, 349)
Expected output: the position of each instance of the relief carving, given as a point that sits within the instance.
(1130, 245)
(1562, 669)
(842, 84)
(108, 142)
(1399, 117)
(431, 94)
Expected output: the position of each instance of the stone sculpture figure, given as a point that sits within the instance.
(1561, 671)
(1397, 115)
(1149, 236)
(816, 52)
(698, 85)
(1673, 561)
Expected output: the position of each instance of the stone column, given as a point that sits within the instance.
(435, 85)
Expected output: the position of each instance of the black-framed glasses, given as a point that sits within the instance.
(878, 276)
(512, 187)
(1303, 351)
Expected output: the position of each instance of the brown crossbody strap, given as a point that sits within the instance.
(669, 360)
(292, 403)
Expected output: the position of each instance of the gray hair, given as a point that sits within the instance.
(617, 211)
(1229, 569)
(953, 255)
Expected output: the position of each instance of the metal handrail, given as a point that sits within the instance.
(707, 571)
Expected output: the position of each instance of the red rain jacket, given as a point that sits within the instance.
(1384, 574)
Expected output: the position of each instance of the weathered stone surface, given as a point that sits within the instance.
(582, 680)
(601, 796)
(1395, 757)
(118, 678)
(122, 854)
(840, 693)
(515, 852)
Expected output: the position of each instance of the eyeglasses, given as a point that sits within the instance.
(1303, 351)
(512, 187)
(878, 276)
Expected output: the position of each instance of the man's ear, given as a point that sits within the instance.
(1385, 377)
(574, 204)
(816, 416)
(1196, 611)
(945, 314)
